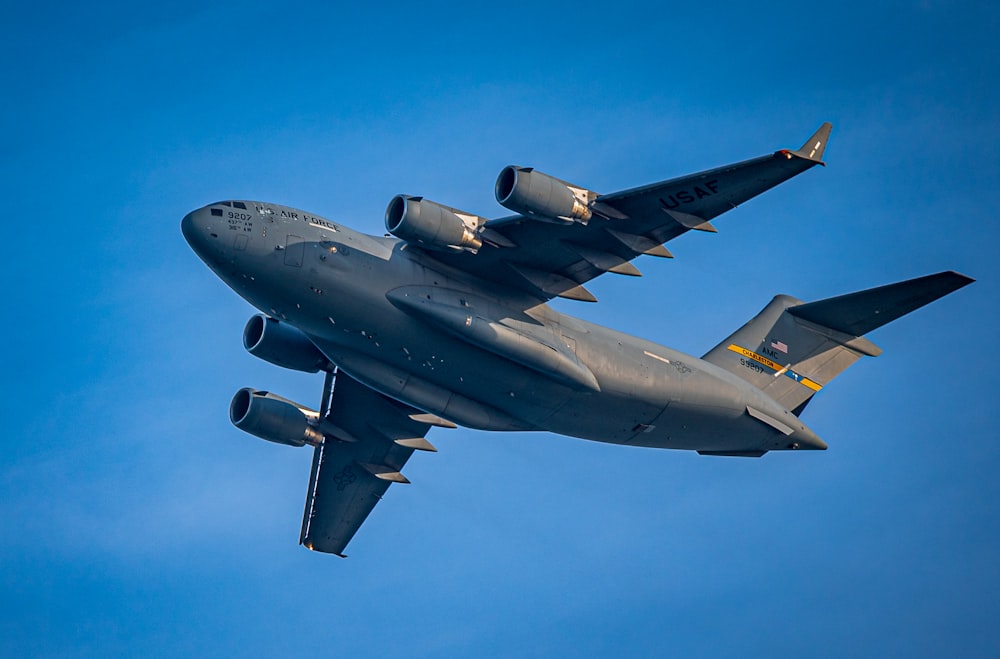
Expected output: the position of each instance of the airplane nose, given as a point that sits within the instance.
(197, 232)
(188, 229)
(201, 231)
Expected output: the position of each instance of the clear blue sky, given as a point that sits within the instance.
(135, 521)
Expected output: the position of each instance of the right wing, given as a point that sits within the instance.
(369, 438)
(550, 260)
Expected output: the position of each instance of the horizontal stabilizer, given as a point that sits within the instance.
(791, 349)
(859, 313)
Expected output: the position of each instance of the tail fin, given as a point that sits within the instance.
(791, 349)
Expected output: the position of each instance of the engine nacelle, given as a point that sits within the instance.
(530, 192)
(283, 345)
(417, 220)
(272, 418)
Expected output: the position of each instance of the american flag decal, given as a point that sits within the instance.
(778, 345)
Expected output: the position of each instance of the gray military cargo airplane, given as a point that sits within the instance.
(446, 324)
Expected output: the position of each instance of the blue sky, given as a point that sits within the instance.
(134, 520)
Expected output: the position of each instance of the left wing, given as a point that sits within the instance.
(373, 437)
(549, 259)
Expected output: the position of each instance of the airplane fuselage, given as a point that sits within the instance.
(447, 323)
(396, 319)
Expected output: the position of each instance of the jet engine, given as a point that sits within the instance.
(530, 192)
(440, 227)
(273, 418)
(283, 345)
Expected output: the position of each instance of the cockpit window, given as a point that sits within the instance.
(239, 204)
(217, 212)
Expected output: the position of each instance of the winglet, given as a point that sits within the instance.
(815, 146)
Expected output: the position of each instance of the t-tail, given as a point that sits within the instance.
(792, 349)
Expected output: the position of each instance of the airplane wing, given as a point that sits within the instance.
(550, 260)
(375, 436)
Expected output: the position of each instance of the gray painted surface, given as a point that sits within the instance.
(466, 334)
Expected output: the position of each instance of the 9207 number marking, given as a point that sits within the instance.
(240, 221)
(752, 365)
